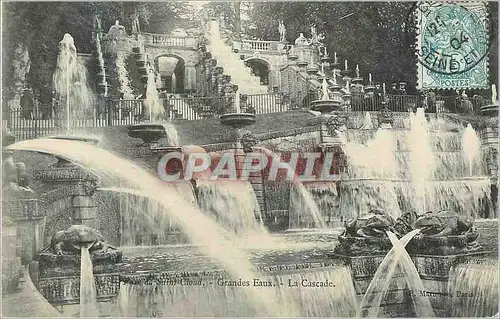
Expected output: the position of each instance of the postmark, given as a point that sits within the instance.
(452, 45)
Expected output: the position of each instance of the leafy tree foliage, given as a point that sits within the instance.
(41, 25)
(379, 36)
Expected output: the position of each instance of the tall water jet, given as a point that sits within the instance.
(471, 147)
(88, 292)
(70, 82)
(152, 101)
(367, 122)
(422, 160)
(123, 78)
(379, 285)
(304, 211)
(197, 226)
(100, 60)
(174, 82)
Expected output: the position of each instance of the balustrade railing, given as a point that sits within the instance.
(42, 121)
(255, 45)
(168, 40)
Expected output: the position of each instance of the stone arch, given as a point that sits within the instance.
(261, 68)
(173, 78)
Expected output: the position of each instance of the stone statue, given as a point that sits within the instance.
(441, 233)
(62, 256)
(248, 141)
(282, 31)
(366, 235)
(336, 124)
(314, 35)
(374, 225)
(22, 64)
(97, 23)
(444, 233)
(71, 241)
(301, 40)
(15, 180)
(117, 31)
(136, 27)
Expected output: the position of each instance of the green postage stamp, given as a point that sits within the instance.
(452, 45)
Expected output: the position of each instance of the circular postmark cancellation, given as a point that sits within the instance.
(454, 39)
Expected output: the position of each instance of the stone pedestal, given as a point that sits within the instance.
(434, 271)
(489, 144)
(68, 180)
(29, 216)
(11, 263)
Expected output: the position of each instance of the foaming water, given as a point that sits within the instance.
(143, 220)
(360, 196)
(301, 197)
(100, 58)
(156, 110)
(211, 297)
(422, 161)
(152, 101)
(419, 169)
(123, 79)
(471, 147)
(319, 199)
(88, 292)
(172, 134)
(195, 224)
(376, 159)
(367, 122)
(232, 64)
(70, 82)
(232, 204)
(473, 288)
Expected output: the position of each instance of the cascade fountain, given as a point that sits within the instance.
(103, 85)
(70, 82)
(152, 133)
(123, 78)
(152, 101)
(423, 168)
(331, 144)
(232, 204)
(473, 289)
(471, 147)
(240, 74)
(197, 226)
(367, 122)
(136, 299)
(422, 161)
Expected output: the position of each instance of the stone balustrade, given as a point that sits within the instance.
(254, 45)
(169, 41)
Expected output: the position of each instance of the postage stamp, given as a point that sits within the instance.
(452, 45)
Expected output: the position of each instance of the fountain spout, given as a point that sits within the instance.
(237, 101)
(324, 88)
(493, 94)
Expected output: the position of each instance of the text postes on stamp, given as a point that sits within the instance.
(452, 45)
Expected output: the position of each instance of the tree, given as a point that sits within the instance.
(41, 25)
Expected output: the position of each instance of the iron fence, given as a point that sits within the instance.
(40, 121)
